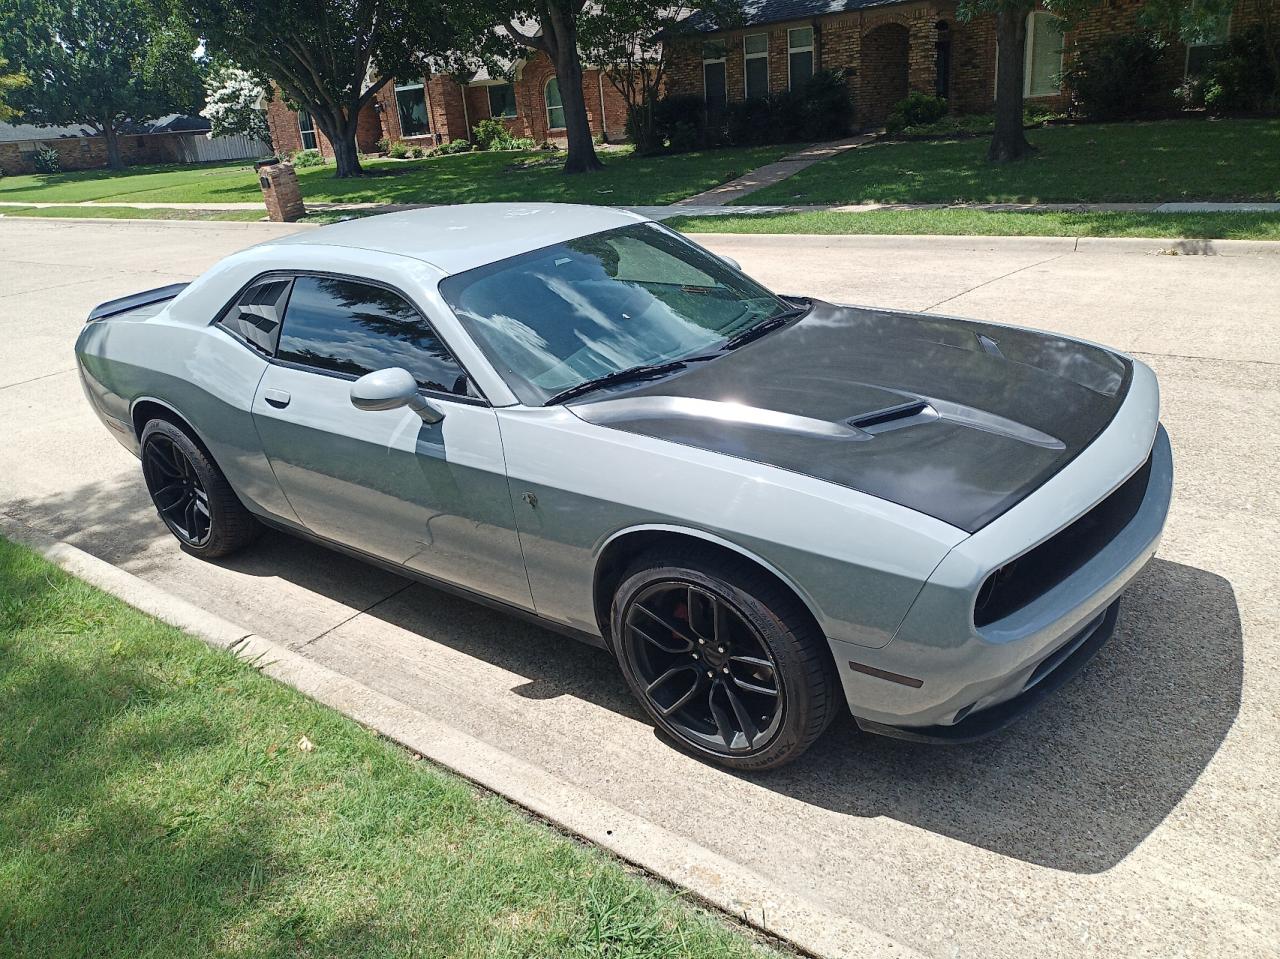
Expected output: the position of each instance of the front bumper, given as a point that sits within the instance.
(944, 679)
(1072, 657)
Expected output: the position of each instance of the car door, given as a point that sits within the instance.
(430, 496)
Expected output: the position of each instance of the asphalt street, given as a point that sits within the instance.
(1134, 814)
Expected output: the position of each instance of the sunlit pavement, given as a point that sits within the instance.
(1134, 813)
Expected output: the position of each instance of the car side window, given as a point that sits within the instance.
(255, 316)
(350, 328)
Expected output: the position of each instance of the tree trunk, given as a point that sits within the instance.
(340, 131)
(577, 128)
(112, 140)
(1010, 141)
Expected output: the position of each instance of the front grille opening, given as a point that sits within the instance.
(1034, 573)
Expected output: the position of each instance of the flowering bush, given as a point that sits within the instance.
(234, 104)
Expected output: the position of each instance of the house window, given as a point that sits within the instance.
(411, 104)
(555, 105)
(1044, 55)
(502, 100)
(799, 56)
(715, 92)
(307, 127)
(755, 64)
(1209, 45)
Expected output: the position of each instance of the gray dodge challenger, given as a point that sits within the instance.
(766, 507)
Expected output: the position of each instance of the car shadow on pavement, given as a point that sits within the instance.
(1076, 785)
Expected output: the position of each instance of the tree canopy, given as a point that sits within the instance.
(331, 56)
(102, 63)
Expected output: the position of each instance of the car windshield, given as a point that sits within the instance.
(561, 316)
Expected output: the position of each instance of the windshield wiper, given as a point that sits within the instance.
(765, 326)
(645, 372)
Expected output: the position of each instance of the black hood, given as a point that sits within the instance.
(955, 419)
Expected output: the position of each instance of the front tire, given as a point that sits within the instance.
(191, 495)
(723, 658)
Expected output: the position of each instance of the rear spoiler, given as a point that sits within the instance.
(135, 300)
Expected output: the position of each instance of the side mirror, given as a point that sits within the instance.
(732, 262)
(391, 389)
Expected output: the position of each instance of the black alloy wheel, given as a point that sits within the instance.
(706, 671)
(177, 491)
(724, 658)
(191, 494)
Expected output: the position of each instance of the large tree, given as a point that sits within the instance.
(632, 40)
(10, 83)
(551, 26)
(106, 64)
(331, 56)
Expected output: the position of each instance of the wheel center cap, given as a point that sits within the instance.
(716, 656)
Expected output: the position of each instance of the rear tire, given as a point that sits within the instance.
(191, 495)
(724, 658)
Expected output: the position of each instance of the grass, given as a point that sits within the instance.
(462, 178)
(129, 213)
(1216, 226)
(157, 798)
(1089, 163)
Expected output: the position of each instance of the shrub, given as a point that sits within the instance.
(491, 134)
(417, 152)
(398, 150)
(522, 143)
(679, 123)
(825, 107)
(916, 109)
(1118, 77)
(1243, 78)
(383, 144)
(46, 160)
(306, 158)
(453, 146)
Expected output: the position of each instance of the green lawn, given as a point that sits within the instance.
(155, 801)
(1217, 226)
(129, 213)
(462, 178)
(1168, 160)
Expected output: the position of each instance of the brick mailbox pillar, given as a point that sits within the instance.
(280, 190)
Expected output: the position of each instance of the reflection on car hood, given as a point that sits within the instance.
(956, 419)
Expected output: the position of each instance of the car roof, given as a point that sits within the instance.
(459, 238)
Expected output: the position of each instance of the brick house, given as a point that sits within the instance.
(427, 111)
(886, 48)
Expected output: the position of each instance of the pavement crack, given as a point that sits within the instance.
(994, 279)
(355, 615)
(42, 376)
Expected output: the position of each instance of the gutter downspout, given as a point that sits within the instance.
(604, 122)
(466, 117)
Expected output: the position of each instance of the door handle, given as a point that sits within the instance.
(277, 398)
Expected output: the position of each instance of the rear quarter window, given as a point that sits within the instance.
(255, 317)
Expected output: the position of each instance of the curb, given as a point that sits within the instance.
(711, 878)
(1112, 245)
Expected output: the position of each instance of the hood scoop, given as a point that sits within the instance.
(629, 411)
(894, 417)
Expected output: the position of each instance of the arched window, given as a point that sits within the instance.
(555, 106)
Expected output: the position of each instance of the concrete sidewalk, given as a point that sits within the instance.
(1133, 814)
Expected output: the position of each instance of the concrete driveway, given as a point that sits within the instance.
(1134, 814)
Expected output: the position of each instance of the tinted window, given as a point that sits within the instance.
(560, 316)
(352, 328)
(255, 317)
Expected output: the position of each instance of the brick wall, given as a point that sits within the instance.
(869, 47)
(88, 153)
(286, 137)
(883, 71)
